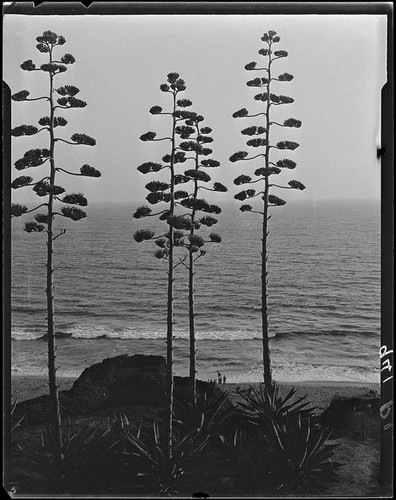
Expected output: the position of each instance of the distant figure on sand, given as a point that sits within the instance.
(218, 377)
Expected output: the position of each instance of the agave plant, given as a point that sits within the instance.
(262, 405)
(79, 450)
(151, 462)
(15, 423)
(208, 412)
(298, 456)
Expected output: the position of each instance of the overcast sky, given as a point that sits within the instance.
(338, 61)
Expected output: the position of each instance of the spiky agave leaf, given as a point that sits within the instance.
(89, 171)
(73, 213)
(83, 139)
(302, 457)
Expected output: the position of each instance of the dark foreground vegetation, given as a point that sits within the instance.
(113, 438)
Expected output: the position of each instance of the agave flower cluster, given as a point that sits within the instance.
(46, 187)
(188, 144)
(260, 133)
(259, 185)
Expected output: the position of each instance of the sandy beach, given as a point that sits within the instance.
(319, 393)
(358, 454)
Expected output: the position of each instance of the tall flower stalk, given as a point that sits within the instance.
(198, 136)
(47, 189)
(165, 192)
(261, 141)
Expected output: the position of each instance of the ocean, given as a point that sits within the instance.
(110, 294)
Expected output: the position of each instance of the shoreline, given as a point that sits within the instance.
(320, 393)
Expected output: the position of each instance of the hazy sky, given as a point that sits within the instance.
(338, 61)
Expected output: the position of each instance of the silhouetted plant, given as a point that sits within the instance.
(262, 405)
(165, 192)
(197, 136)
(300, 459)
(261, 141)
(150, 460)
(46, 188)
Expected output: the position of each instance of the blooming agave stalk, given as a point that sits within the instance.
(197, 136)
(62, 97)
(260, 140)
(165, 192)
